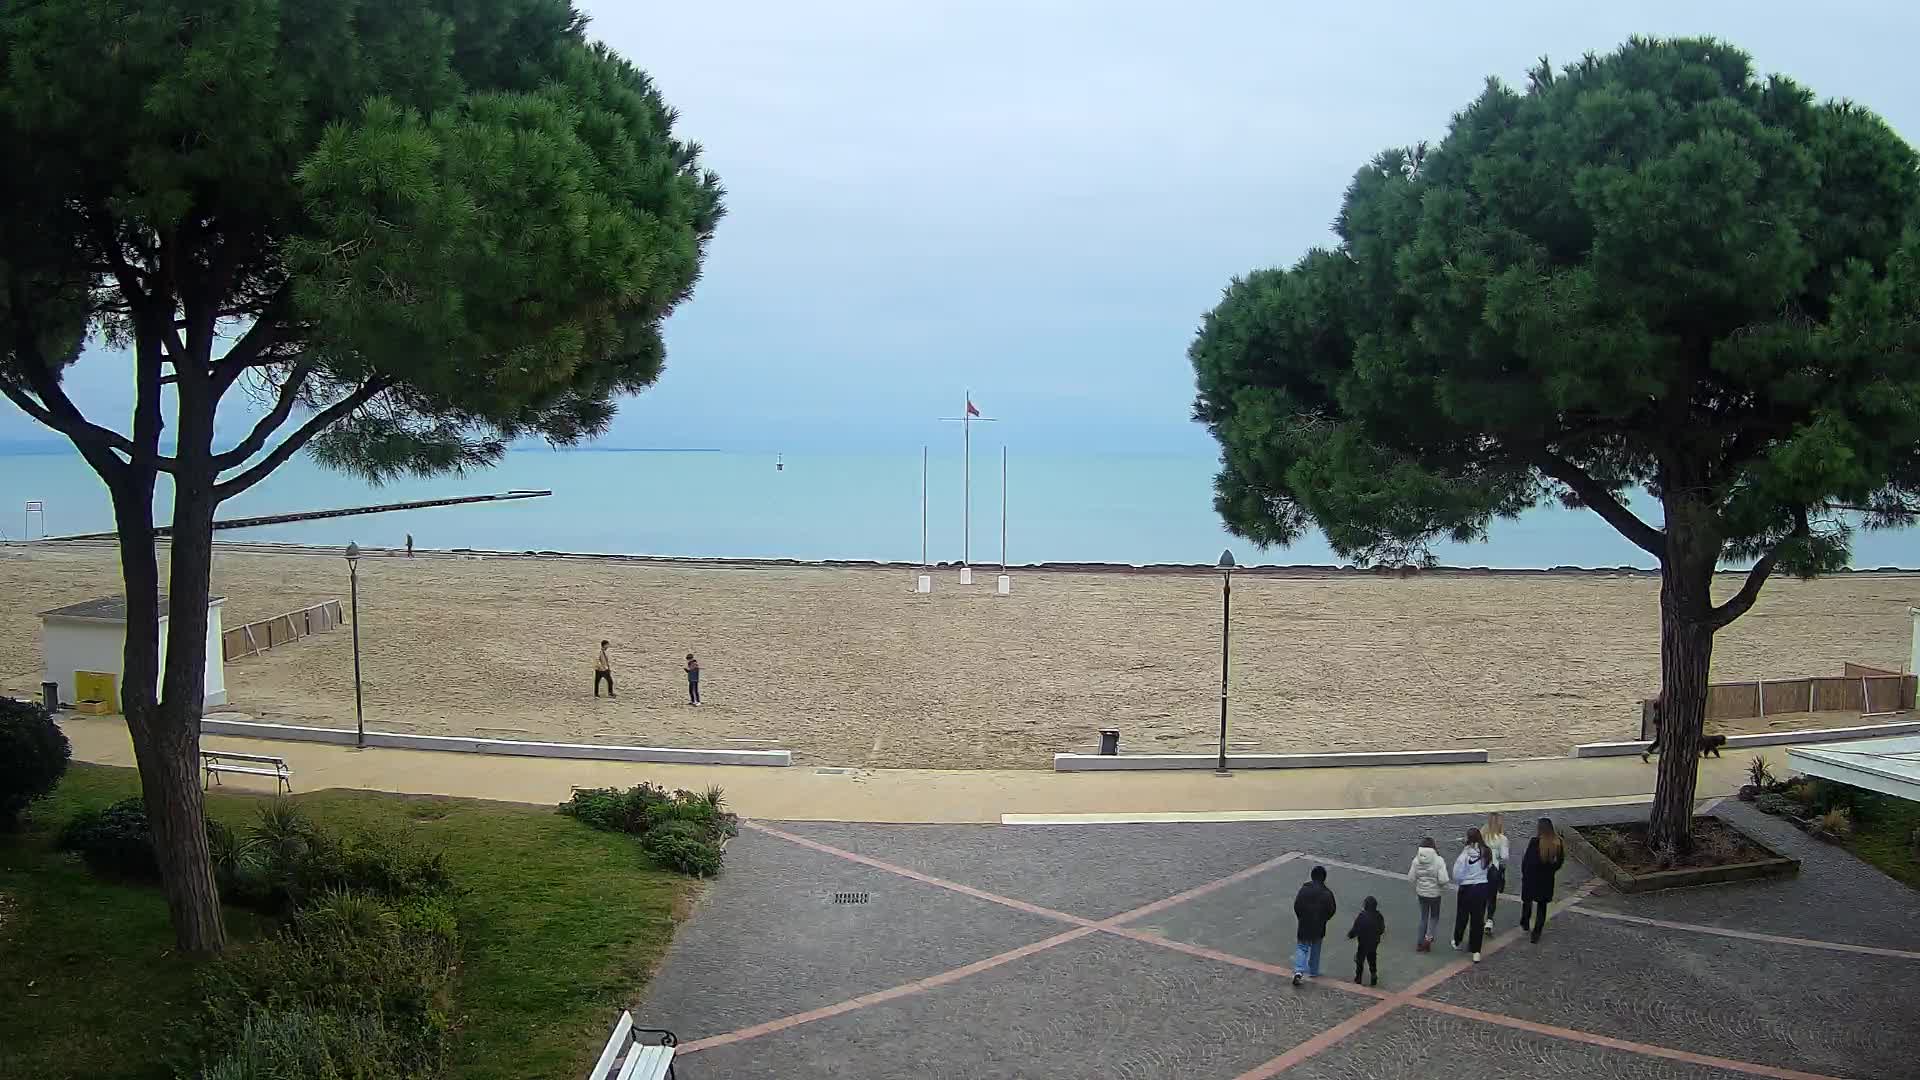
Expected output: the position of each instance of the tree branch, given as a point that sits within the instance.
(1601, 501)
(261, 336)
(293, 443)
(1741, 602)
(268, 424)
(55, 409)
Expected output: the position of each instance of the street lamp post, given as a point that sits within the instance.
(359, 716)
(1226, 636)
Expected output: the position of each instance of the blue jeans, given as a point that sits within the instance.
(1429, 916)
(1306, 958)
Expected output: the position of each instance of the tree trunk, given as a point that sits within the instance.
(1686, 657)
(175, 805)
(165, 744)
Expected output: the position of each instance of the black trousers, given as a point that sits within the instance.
(693, 689)
(1367, 956)
(1529, 917)
(1470, 915)
(1496, 881)
(600, 677)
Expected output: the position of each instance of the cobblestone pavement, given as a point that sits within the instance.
(1137, 951)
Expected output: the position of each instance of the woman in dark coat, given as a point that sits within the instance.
(1542, 861)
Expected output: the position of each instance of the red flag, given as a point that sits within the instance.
(971, 409)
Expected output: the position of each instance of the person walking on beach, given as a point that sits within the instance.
(1470, 869)
(603, 672)
(1368, 928)
(693, 680)
(409, 545)
(1313, 906)
(1495, 834)
(1429, 876)
(1542, 861)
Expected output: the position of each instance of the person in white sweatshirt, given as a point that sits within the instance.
(1470, 869)
(1495, 834)
(1429, 876)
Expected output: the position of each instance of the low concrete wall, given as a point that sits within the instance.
(1770, 738)
(1131, 762)
(1779, 865)
(594, 751)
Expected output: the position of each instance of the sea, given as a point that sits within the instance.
(1111, 508)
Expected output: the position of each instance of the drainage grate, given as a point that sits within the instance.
(851, 897)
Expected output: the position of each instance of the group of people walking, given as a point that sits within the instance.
(603, 673)
(1479, 872)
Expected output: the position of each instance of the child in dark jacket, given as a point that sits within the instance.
(1368, 928)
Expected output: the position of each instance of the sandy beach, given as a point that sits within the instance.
(848, 667)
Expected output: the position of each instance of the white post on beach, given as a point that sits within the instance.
(966, 418)
(923, 581)
(1913, 663)
(1004, 586)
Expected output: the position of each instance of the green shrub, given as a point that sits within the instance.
(115, 841)
(1774, 802)
(276, 866)
(681, 830)
(395, 868)
(370, 975)
(686, 846)
(289, 1045)
(1759, 773)
(33, 757)
(1836, 823)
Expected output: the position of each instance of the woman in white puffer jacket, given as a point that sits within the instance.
(1429, 876)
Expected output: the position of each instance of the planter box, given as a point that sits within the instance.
(1777, 866)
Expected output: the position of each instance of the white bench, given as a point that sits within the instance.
(215, 762)
(642, 1061)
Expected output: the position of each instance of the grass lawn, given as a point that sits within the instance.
(1885, 839)
(561, 927)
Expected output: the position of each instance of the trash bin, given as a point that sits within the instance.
(1109, 741)
(50, 695)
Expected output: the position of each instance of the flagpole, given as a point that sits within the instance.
(923, 507)
(966, 494)
(1003, 508)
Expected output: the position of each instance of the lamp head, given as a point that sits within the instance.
(1226, 561)
(353, 552)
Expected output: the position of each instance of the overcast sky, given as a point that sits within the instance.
(1037, 200)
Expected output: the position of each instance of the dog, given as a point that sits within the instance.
(1709, 747)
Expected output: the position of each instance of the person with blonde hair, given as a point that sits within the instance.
(1542, 861)
(1495, 835)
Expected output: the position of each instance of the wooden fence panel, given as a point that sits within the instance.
(1790, 696)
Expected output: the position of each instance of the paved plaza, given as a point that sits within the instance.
(1137, 951)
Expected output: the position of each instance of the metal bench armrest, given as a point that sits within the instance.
(667, 1038)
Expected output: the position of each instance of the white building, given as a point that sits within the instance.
(92, 637)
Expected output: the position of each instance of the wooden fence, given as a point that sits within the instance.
(1861, 689)
(258, 637)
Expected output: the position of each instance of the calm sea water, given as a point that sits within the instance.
(1124, 509)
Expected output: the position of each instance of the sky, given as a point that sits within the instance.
(1038, 200)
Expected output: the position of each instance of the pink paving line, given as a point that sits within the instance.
(1409, 996)
(1750, 935)
(1322, 1041)
(1198, 891)
(916, 987)
(1377, 872)
(1083, 926)
(928, 879)
(1281, 970)
(1647, 1049)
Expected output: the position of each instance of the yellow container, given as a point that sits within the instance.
(97, 689)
